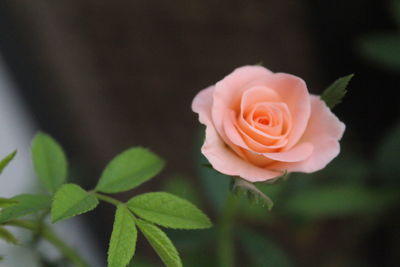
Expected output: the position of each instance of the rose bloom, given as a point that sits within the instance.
(261, 124)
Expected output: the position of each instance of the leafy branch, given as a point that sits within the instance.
(126, 171)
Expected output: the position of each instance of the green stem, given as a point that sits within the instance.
(49, 235)
(225, 242)
(107, 199)
(40, 224)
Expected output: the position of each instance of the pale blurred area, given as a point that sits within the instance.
(16, 131)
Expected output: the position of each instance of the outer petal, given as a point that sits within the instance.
(202, 104)
(226, 161)
(324, 131)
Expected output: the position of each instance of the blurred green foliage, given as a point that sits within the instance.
(387, 158)
(338, 200)
(262, 252)
(382, 49)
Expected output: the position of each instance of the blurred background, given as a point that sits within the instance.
(102, 76)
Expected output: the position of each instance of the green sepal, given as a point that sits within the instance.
(334, 94)
(242, 188)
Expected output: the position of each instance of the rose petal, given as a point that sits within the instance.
(226, 161)
(272, 115)
(257, 159)
(231, 88)
(294, 93)
(231, 131)
(256, 95)
(263, 137)
(324, 131)
(240, 138)
(278, 114)
(297, 153)
(218, 154)
(259, 147)
(202, 104)
(228, 91)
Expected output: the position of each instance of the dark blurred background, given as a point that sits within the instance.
(101, 76)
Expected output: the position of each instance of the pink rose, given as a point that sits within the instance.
(261, 124)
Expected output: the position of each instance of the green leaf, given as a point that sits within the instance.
(71, 200)
(261, 251)
(169, 211)
(26, 204)
(339, 200)
(248, 190)
(7, 236)
(123, 238)
(336, 91)
(4, 162)
(49, 161)
(160, 243)
(7, 202)
(382, 49)
(128, 170)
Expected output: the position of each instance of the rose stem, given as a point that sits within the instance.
(225, 246)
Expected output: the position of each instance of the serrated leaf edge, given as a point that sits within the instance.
(169, 215)
(134, 224)
(139, 222)
(100, 185)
